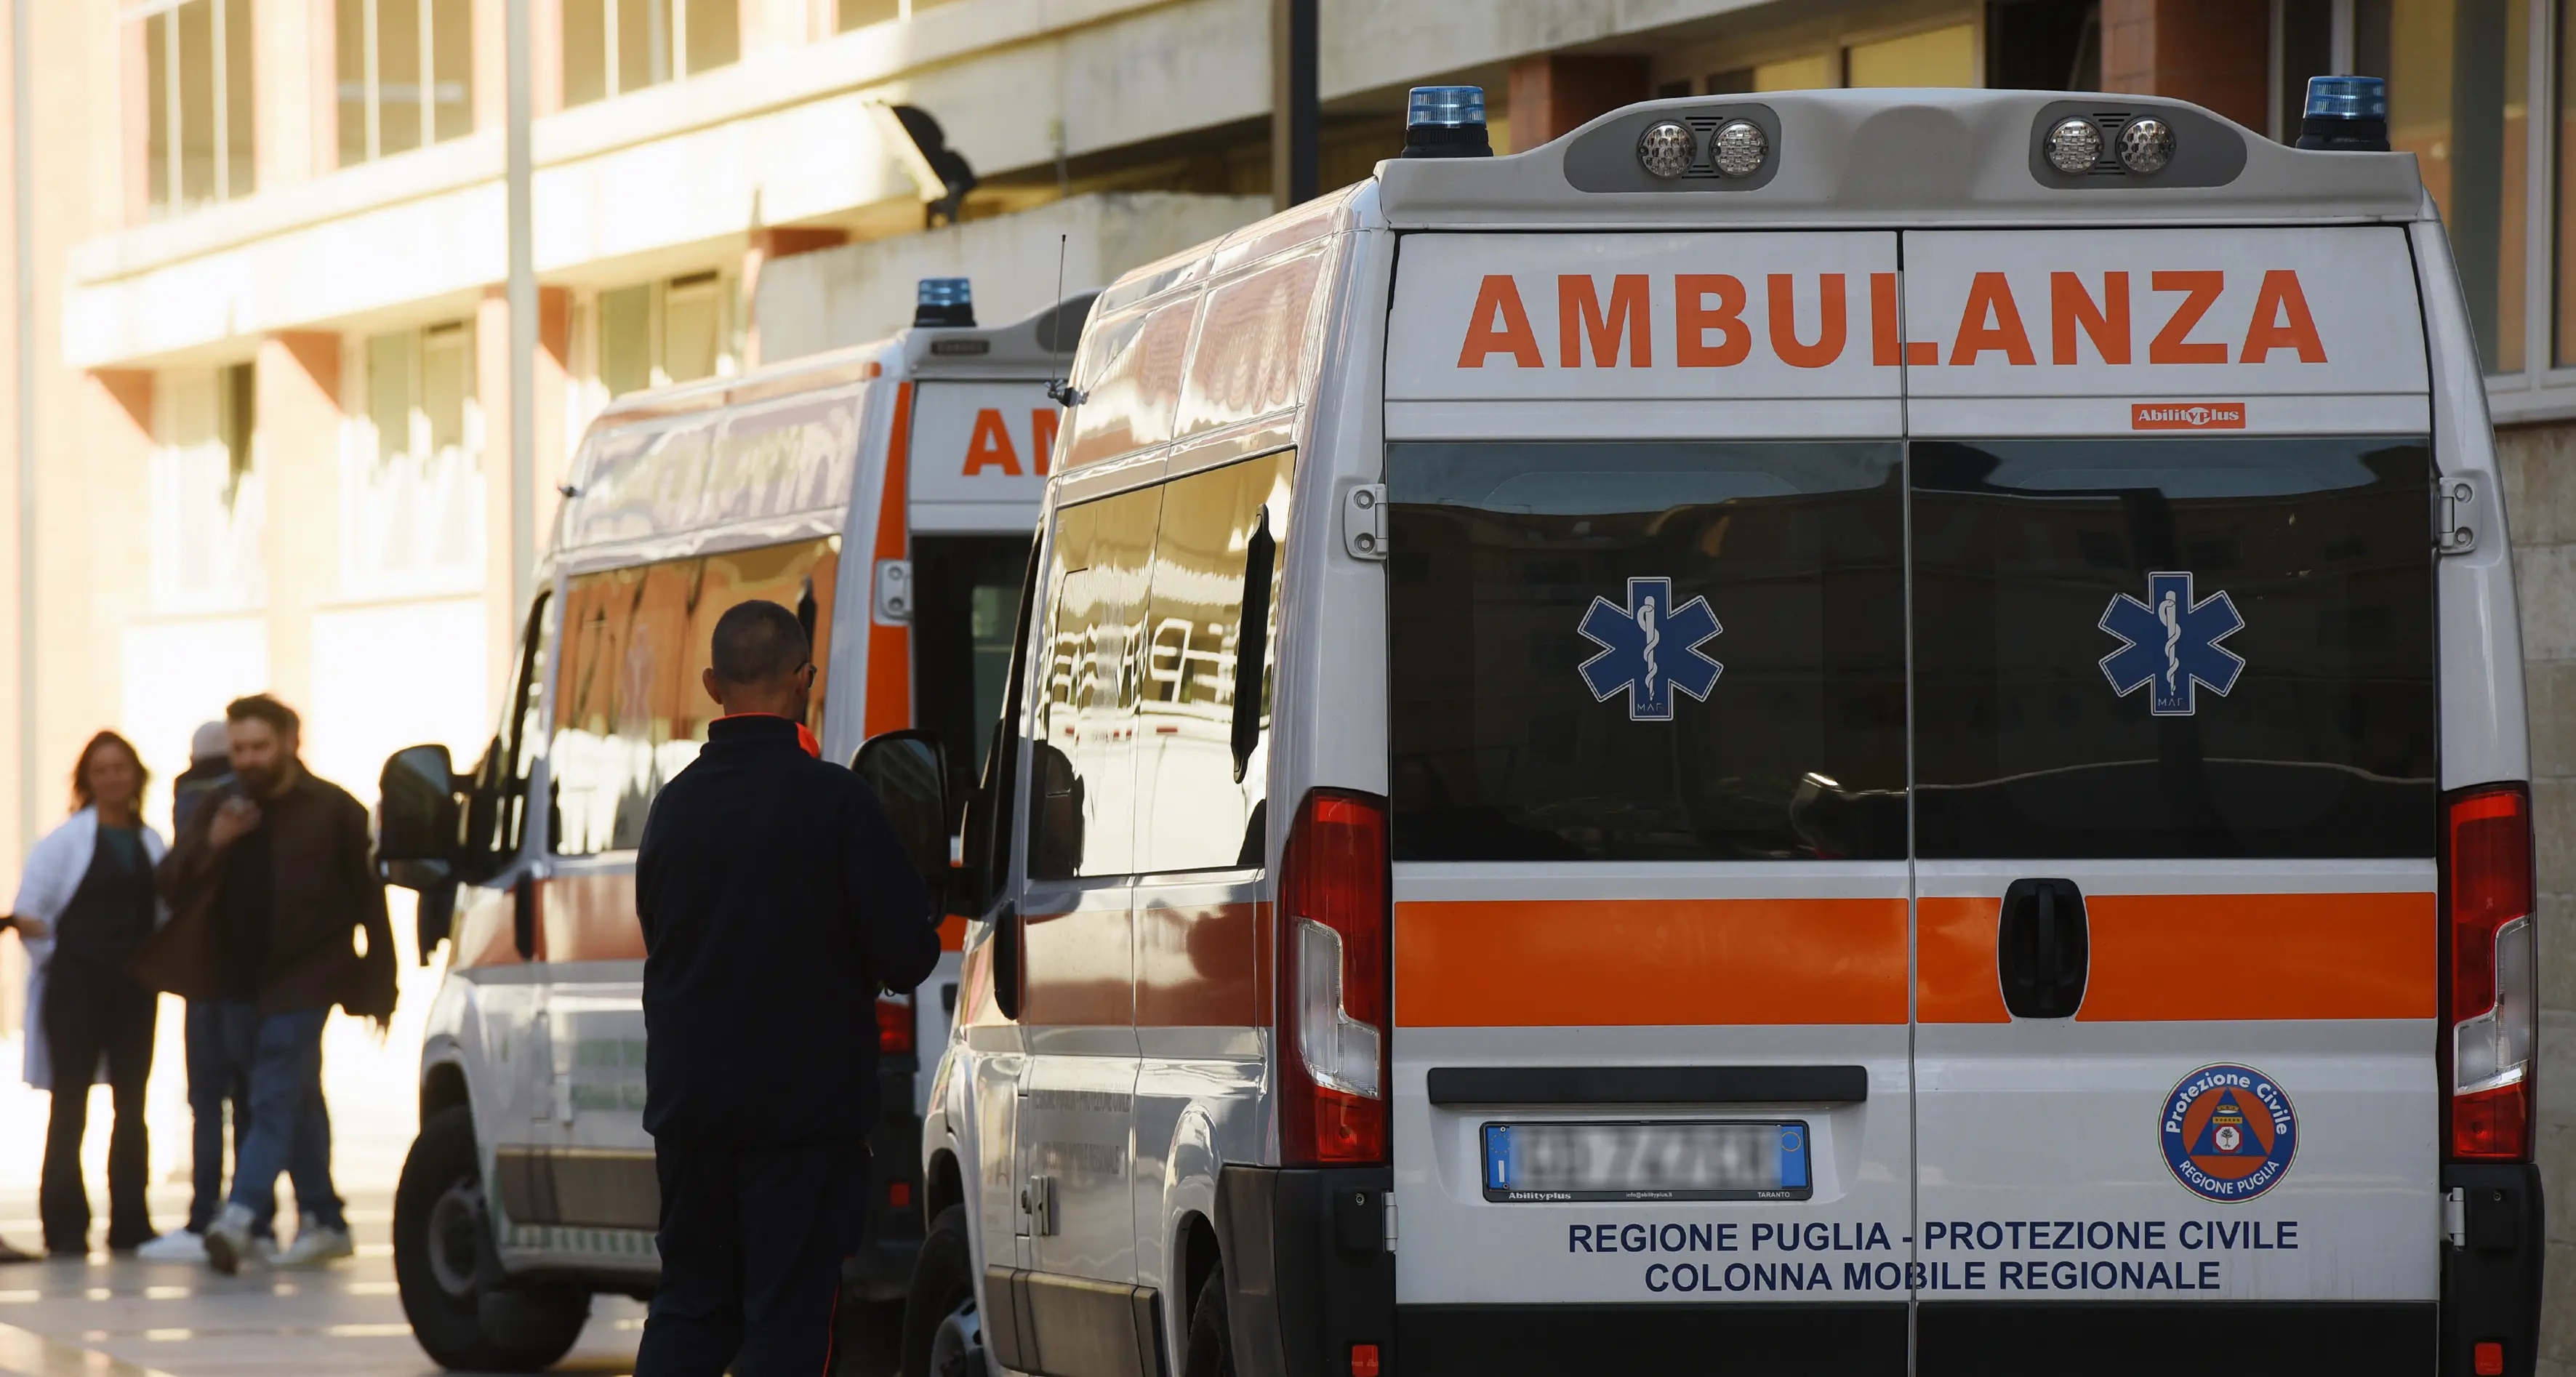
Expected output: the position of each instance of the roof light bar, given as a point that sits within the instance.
(2346, 114)
(945, 301)
(1446, 122)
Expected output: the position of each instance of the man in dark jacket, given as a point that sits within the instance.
(269, 886)
(776, 901)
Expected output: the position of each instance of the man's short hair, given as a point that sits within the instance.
(756, 642)
(259, 707)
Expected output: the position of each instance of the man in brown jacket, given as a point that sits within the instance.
(267, 886)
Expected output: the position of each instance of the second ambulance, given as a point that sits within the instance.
(1836, 732)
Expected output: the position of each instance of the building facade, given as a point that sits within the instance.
(270, 372)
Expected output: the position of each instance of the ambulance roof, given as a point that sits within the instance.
(1031, 346)
(1900, 157)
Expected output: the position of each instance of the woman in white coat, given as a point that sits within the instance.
(85, 903)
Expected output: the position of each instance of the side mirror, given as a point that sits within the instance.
(909, 772)
(417, 819)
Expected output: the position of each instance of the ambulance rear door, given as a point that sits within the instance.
(2175, 801)
(1650, 1074)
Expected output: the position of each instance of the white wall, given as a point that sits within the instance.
(861, 292)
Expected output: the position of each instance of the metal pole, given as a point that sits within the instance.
(23, 229)
(1296, 114)
(523, 321)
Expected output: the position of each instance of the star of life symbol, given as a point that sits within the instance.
(2171, 643)
(1650, 648)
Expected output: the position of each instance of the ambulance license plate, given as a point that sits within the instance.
(1731, 1160)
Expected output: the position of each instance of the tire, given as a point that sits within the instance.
(442, 1238)
(1211, 1336)
(943, 1285)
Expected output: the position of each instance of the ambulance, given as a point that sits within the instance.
(1846, 732)
(885, 492)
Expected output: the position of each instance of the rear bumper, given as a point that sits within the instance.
(1307, 1272)
(2491, 1278)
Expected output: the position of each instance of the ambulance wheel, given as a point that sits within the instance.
(940, 1335)
(442, 1239)
(1211, 1337)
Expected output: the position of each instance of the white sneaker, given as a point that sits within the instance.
(315, 1245)
(178, 1245)
(263, 1251)
(228, 1239)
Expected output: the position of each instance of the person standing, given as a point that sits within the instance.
(218, 1072)
(776, 901)
(269, 885)
(84, 905)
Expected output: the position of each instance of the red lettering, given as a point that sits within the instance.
(990, 446)
(2279, 298)
(2172, 343)
(2107, 324)
(1499, 325)
(1991, 321)
(1579, 313)
(1696, 318)
(1784, 322)
(1886, 344)
(1042, 428)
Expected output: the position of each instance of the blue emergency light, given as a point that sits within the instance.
(945, 301)
(2346, 114)
(1446, 122)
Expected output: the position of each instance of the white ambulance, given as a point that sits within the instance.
(1836, 732)
(887, 493)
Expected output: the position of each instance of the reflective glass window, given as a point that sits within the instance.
(2136, 648)
(1082, 793)
(1647, 651)
(1204, 720)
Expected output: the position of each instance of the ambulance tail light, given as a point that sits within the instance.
(894, 1023)
(2490, 973)
(1332, 1046)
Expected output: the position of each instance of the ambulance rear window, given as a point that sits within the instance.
(1647, 650)
(2174, 647)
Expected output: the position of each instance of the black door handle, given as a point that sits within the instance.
(2043, 949)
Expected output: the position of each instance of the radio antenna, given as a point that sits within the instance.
(1062, 388)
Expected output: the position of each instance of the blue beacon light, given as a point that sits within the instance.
(1446, 122)
(945, 301)
(2346, 114)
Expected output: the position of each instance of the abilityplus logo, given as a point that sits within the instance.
(2187, 416)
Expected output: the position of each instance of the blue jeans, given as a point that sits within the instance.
(220, 1037)
(289, 1128)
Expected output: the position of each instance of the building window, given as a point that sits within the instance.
(655, 334)
(197, 78)
(411, 511)
(611, 47)
(406, 75)
(858, 14)
(205, 499)
(2458, 99)
(2459, 91)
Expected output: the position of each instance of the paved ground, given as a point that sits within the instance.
(121, 1318)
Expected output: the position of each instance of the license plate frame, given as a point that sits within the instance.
(1511, 1176)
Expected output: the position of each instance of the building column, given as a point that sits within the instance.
(296, 102)
(2213, 53)
(492, 398)
(767, 245)
(768, 24)
(297, 386)
(1553, 95)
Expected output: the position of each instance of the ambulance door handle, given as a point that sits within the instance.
(2042, 948)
